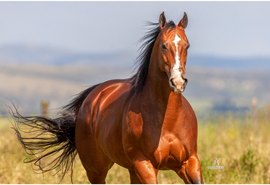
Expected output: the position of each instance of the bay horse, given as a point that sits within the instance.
(142, 123)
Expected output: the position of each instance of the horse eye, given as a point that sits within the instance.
(164, 47)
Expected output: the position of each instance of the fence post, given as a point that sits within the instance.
(44, 108)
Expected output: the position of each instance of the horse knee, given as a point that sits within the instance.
(191, 171)
(145, 171)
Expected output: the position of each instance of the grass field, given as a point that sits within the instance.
(231, 149)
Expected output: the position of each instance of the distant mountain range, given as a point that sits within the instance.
(26, 54)
(253, 63)
(30, 74)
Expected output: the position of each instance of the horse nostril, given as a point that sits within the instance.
(186, 80)
(172, 83)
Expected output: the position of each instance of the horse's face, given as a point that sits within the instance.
(173, 45)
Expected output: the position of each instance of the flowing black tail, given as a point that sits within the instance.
(50, 142)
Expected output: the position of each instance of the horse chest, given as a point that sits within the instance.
(169, 145)
(170, 153)
(161, 137)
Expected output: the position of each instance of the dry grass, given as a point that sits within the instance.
(240, 146)
(237, 144)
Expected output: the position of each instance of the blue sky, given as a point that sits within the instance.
(231, 29)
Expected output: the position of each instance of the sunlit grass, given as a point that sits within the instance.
(237, 144)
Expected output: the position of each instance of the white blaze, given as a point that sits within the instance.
(176, 73)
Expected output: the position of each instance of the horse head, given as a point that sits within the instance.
(172, 46)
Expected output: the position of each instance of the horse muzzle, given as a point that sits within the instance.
(178, 85)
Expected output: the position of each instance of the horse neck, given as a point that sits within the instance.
(157, 86)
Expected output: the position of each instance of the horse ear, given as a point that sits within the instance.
(184, 21)
(162, 20)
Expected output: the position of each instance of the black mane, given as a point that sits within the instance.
(143, 60)
(145, 50)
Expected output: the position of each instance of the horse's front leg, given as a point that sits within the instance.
(190, 171)
(144, 169)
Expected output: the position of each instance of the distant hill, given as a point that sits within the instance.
(31, 74)
(252, 63)
(27, 54)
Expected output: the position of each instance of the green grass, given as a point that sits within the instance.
(237, 144)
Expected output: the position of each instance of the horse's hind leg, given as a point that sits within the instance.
(133, 177)
(97, 177)
(95, 162)
(96, 165)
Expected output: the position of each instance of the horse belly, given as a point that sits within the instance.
(110, 141)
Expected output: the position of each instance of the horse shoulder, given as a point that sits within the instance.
(190, 117)
(188, 125)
